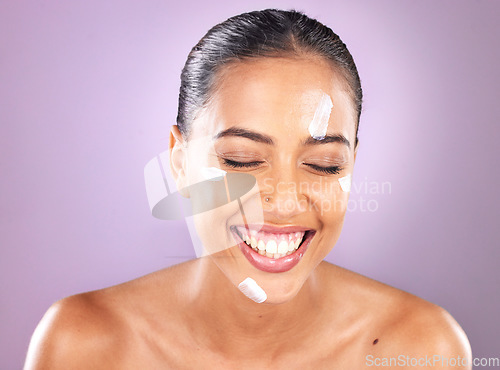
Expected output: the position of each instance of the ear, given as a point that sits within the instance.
(178, 157)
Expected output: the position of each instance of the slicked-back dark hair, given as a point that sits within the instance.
(265, 33)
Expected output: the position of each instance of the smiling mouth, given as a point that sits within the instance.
(273, 249)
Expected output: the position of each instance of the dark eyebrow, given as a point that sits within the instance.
(241, 132)
(335, 138)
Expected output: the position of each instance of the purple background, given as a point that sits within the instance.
(88, 90)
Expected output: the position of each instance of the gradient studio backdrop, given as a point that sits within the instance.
(88, 91)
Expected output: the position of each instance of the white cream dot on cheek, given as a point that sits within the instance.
(345, 183)
(212, 173)
(252, 290)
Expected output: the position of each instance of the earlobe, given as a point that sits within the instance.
(177, 155)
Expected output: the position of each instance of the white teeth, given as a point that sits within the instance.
(253, 242)
(282, 247)
(271, 247)
(297, 243)
(277, 246)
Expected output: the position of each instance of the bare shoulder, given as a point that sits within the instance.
(97, 329)
(397, 324)
(77, 331)
(427, 330)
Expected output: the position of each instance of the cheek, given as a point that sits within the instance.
(331, 210)
(213, 224)
(329, 199)
(212, 229)
(200, 158)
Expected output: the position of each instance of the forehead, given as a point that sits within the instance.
(281, 91)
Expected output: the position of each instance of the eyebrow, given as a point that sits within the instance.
(241, 132)
(260, 138)
(334, 138)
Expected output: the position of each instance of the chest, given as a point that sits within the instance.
(177, 353)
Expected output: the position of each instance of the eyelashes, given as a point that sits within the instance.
(235, 164)
(332, 170)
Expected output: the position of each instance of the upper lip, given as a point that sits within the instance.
(275, 229)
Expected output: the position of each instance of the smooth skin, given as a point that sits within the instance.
(192, 316)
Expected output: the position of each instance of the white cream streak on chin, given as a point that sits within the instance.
(252, 290)
(319, 123)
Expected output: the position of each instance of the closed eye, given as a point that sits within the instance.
(235, 164)
(333, 170)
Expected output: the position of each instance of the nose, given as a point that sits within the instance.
(282, 194)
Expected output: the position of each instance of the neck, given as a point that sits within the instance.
(232, 323)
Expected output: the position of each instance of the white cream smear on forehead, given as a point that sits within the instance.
(319, 123)
(252, 290)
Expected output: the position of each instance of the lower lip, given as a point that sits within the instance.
(267, 264)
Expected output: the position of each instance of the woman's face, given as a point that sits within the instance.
(291, 124)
